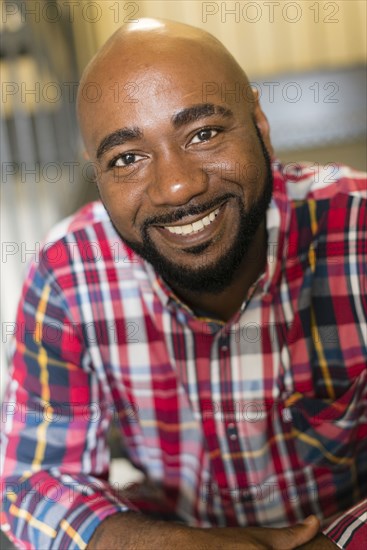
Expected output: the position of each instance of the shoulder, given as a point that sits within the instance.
(322, 198)
(326, 210)
(86, 241)
(87, 216)
(313, 181)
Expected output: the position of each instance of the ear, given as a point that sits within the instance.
(262, 122)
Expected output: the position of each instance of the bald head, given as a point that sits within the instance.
(158, 36)
(144, 62)
(155, 48)
(150, 41)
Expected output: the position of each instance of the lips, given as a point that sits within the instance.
(202, 229)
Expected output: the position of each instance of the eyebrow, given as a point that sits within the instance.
(118, 138)
(196, 112)
(185, 116)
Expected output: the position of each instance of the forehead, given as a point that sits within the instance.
(147, 91)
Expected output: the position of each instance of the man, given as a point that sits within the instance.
(217, 303)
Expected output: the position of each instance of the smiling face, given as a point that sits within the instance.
(184, 175)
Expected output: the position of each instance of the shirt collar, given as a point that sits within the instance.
(277, 224)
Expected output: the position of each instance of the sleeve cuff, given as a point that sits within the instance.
(349, 531)
(76, 529)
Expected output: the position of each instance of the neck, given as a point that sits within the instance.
(225, 304)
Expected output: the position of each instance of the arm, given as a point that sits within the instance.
(133, 531)
(55, 457)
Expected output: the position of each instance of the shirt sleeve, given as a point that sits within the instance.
(349, 530)
(55, 416)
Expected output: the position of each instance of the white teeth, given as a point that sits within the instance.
(177, 230)
(198, 225)
(193, 227)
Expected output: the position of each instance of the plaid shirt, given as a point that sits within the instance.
(257, 421)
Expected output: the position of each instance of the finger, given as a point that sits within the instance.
(295, 535)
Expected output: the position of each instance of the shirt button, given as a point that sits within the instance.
(223, 343)
(286, 415)
(232, 431)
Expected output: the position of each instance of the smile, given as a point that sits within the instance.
(194, 227)
(207, 228)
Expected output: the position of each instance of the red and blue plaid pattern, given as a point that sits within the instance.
(258, 421)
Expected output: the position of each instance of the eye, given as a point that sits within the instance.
(205, 134)
(125, 160)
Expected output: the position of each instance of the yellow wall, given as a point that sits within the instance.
(265, 36)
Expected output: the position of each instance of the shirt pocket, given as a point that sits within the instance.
(329, 432)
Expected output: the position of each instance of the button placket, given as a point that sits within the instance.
(230, 426)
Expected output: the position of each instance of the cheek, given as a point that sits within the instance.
(121, 204)
(240, 147)
(253, 167)
(242, 164)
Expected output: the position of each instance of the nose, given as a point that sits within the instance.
(176, 179)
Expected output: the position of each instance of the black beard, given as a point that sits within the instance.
(216, 277)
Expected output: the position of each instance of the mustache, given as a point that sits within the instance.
(192, 210)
